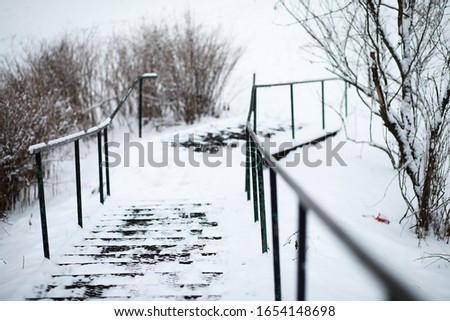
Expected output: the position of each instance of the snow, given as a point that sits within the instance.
(104, 123)
(35, 147)
(150, 75)
(365, 187)
(65, 139)
(93, 130)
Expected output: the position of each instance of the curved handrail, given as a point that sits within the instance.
(100, 129)
(52, 144)
(258, 155)
(395, 288)
(291, 84)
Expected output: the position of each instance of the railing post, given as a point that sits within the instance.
(346, 98)
(253, 102)
(275, 234)
(247, 164)
(301, 278)
(254, 179)
(292, 111)
(323, 104)
(78, 183)
(262, 205)
(40, 180)
(100, 171)
(140, 107)
(105, 145)
(254, 108)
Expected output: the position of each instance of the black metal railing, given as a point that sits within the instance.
(291, 96)
(99, 130)
(256, 157)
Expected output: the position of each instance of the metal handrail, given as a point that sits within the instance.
(40, 147)
(291, 85)
(100, 129)
(256, 156)
(310, 81)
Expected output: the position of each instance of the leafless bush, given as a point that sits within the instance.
(200, 63)
(70, 84)
(42, 97)
(193, 66)
(129, 56)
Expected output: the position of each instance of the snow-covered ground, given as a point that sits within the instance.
(354, 193)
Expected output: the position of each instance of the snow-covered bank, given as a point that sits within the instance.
(355, 193)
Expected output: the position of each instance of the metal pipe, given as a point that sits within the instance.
(323, 104)
(105, 148)
(262, 204)
(393, 286)
(247, 164)
(346, 98)
(250, 110)
(301, 268)
(100, 171)
(40, 179)
(37, 148)
(292, 111)
(254, 101)
(275, 234)
(254, 180)
(140, 107)
(295, 82)
(78, 183)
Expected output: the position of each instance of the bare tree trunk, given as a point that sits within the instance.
(409, 69)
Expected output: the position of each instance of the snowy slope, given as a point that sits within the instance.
(367, 186)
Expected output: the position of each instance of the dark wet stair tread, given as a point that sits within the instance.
(124, 256)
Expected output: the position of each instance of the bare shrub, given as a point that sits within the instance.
(43, 97)
(200, 63)
(70, 84)
(129, 56)
(193, 66)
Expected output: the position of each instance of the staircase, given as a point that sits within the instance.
(161, 251)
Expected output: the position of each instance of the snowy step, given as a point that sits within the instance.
(157, 251)
(147, 239)
(154, 258)
(131, 275)
(120, 266)
(131, 258)
(144, 232)
(172, 223)
(80, 289)
(127, 248)
(130, 297)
